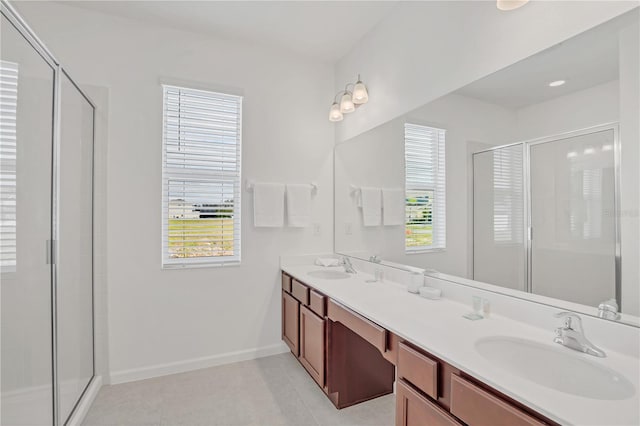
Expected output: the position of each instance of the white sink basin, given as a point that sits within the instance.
(555, 367)
(328, 274)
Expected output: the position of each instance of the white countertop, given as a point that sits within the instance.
(438, 327)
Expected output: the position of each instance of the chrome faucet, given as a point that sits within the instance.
(348, 267)
(375, 259)
(609, 310)
(572, 336)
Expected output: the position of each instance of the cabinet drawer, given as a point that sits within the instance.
(413, 409)
(477, 407)
(286, 282)
(418, 369)
(317, 303)
(366, 329)
(300, 291)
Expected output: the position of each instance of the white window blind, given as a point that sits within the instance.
(508, 195)
(8, 165)
(200, 177)
(425, 225)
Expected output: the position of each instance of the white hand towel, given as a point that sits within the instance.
(268, 204)
(393, 202)
(299, 205)
(371, 206)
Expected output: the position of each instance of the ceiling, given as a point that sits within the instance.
(584, 61)
(323, 30)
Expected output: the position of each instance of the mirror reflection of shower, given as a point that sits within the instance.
(544, 216)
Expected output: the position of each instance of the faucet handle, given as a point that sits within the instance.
(568, 319)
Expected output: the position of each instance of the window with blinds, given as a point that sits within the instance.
(425, 206)
(200, 177)
(508, 195)
(8, 165)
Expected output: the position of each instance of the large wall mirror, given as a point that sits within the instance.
(524, 182)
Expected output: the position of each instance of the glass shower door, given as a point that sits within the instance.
(499, 255)
(75, 243)
(26, 134)
(573, 244)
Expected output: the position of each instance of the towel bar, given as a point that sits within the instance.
(250, 184)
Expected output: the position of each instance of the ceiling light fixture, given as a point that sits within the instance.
(349, 100)
(557, 83)
(507, 5)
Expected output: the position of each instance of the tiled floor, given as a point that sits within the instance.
(269, 391)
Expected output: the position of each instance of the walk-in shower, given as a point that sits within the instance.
(545, 216)
(46, 231)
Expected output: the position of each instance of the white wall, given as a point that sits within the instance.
(425, 50)
(160, 320)
(376, 158)
(578, 110)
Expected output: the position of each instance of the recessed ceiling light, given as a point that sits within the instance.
(572, 154)
(557, 83)
(589, 151)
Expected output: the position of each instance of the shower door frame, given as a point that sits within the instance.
(526, 164)
(9, 12)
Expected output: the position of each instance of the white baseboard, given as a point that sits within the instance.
(85, 403)
(142, 373)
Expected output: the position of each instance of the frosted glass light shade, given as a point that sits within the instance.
(334, 113)
(346, 103)
(360, 94)
(510, 4)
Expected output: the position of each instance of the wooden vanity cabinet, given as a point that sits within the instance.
(415, 409)
(353, 359)
(291, 322)
(312, 344)
(430, 391)
(286, 282)
(300, 291)
(479, 407)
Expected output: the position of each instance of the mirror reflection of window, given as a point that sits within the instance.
(585, 216)
(508, 203)
(425, 215)
(8, 163)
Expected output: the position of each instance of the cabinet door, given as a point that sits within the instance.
(290, 324)
(477, 407)
(414, 409)
(312, 344)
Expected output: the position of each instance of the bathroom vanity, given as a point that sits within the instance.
(353, 359)
(356, 337)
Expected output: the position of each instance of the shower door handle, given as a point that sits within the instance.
(51, 252)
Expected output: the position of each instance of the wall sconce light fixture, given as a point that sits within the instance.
(349, 100)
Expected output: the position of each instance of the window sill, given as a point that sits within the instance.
(198, 265)
(424, 251)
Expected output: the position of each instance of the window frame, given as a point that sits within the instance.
(438, 213)
(184, 174)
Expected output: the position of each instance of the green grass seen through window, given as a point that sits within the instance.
(200, 237)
